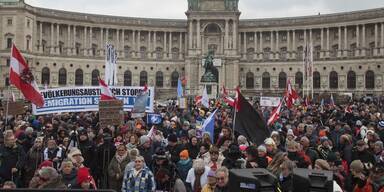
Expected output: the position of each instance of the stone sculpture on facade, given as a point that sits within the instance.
(210, 70)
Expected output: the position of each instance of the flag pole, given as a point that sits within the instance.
(234, 121)
(7, 108)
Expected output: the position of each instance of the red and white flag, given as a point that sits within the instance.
(106, 93)
(21, 76)
(275, 114)
(290, 95)
(227, 99)
(348, 109)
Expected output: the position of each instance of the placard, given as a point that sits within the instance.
(111, 113)
(79, 99)
(15, 108)
(269, 101)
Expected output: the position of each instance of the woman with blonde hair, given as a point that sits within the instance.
(275, 165)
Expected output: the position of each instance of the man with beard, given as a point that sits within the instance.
(88, 150)
(12, 158)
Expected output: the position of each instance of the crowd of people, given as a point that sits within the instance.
(71, 150)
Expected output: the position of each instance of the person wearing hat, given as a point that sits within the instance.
(184, 164)
(211, 184)
(145, 149)
(88, 149)
(174, 148)
(161, 160)
(324, 148)
(361, 153)
(84, 179)
(76, 157)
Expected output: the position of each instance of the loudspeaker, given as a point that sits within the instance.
(305, 180)
(255, 180)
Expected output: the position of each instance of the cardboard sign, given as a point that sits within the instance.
(111, 113)
(15, 108)
(182, 102)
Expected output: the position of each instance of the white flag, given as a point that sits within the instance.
(205, 99)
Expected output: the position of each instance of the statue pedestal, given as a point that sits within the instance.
(212, 89)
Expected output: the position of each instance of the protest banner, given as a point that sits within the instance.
(79, 99)
(269, 101)
(15, 108)
(111, 112)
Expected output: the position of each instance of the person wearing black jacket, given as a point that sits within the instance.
(360, 152)
(193, 147)
(222, 176)
(285, 178)
(174, 148)
(88, 150)
(12, 159)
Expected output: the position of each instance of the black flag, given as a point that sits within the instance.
(249, 122)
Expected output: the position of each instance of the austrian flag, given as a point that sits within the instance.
(106, 93)
(21, 76)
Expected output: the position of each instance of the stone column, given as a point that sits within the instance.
(345, 54)
(261, 45)
(51, 43)
(198, 34)
(288, 41)
(327, 53)
(170, 45)
(277, 56)
(180, 45)
(74, 40)
(90, 40)
(322, 42)
(305, 37)
(154, 41)
(57, 38)
(244, 45)
(68, 45)
(255, 45)
(165, 43)
(376, 52)
(85, 42)
(339, 42)
(190, 34)
(149, 45)
(107, 35)
(294, 48)
(226, 34)
(234, 35)
(271, 45)
(118, 46)
(138, 41)
(364, 45)
(357, 41)
(134, 43)
(123, 43)
(382, 39)
(102, 42)
(40, 37)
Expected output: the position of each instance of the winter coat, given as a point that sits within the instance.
(11, 158)
(88, 151)
(34, 158)
(143, 182)
(70, 180)
(175, 152)
(183, 166)
(115, 168)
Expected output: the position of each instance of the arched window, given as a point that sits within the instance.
(174, 79)
(282, 80)
(351, 80)
(299, 79)
(159, 79)
(370, 80)
(333, 80)
(266, 81)
(316, 80)
(62, 77)
(95, 77)
(45, 76)
(127, 78)
(143, 78)
(249, 82)
(79, 77)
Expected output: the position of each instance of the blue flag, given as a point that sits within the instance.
(179, 89)
(209, 125)
(154, 119)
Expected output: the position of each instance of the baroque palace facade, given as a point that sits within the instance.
(68, 49)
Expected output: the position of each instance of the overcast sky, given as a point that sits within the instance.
(175, 9)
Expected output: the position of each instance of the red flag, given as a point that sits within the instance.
(236, 101)
(275, 114)
(198, 99)
(106, 93)
(348, 109)
(145, 88)
(21, 76)
(227, 99)
(290, 95)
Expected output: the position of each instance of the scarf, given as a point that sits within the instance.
(121, 158)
